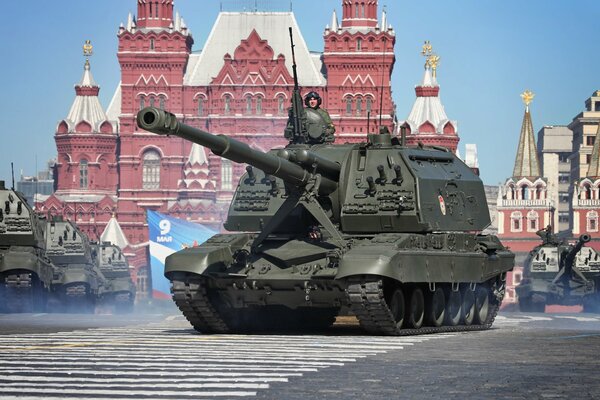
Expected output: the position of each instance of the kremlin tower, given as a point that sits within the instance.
(586, 195)
(86, 171)
(427, 122)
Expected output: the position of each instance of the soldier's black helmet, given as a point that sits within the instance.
(312, 95)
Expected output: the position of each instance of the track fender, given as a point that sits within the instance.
(365, 261)
(211, 256)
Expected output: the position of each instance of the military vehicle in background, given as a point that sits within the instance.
(25, 271)
(560, 273)
(120, 294)
(78, 282)
(386, 232)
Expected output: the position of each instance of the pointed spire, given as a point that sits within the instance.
(334, 22)
(130, 23)
(526, 162)
(197, 156)
(86, 106)
(114, 234)
(384, 24)
(594, 168)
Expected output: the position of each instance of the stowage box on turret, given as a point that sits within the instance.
(388, 232)
(557, 272)
(78, 281)
(25, 271)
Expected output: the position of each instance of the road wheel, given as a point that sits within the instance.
(453, 307)
(416, 309)
(396, 304)
(468, 307)
(435, 307)
(482, 304)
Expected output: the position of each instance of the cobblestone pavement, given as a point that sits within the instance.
(524, 356)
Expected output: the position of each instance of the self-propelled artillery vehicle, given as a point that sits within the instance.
(78, 281)
(559, 273)
(386, 231)
(120, 295)
(377, 229)
(25, 271)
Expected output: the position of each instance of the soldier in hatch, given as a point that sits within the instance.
(313, 100)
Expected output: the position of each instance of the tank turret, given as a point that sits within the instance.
(25, 271)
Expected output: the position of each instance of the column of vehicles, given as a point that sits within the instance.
(49, 265)
(559, 273)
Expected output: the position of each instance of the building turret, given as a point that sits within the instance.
(86, 142)
(427, 122)
(154, 14)
(359, 59)
(523, 205)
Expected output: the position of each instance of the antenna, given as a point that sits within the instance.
(381, 87)
(12, 171)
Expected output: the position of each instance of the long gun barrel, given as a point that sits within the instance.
(164, 123)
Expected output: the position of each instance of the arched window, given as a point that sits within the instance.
(587, 192)
(226, 175)
(248, 104)
(83, 174)
(356, 10)
(358, 44)
(592, 221)
(151, 44)
(358, 105)
(259, 105)
(151, 170)
(161, 100)
(515, 221)
(532, 221)
(280, 104)
(142, 102)
(227, 104)
(524, 192)
(539, 192)
(348, 105)
(369, 104)
(362, 9)
(200, 106)
(151, 101)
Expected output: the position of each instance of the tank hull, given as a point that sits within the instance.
(75, 289)
(316, 281)
(25, 280)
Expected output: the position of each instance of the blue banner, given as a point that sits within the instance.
(168, 235)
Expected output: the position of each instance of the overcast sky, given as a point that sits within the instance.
(491, 51)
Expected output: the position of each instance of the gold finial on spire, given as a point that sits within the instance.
(88, 48)
(432, 60)
(426, 49)
(527, 97)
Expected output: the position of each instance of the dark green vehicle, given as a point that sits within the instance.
(387, 233)
(78, 282)
(25, 271)
(557, 272)
(120, 294)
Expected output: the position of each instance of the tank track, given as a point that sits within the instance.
(367, 302)
(191, 297)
